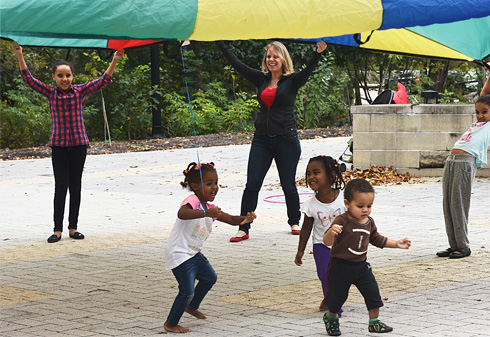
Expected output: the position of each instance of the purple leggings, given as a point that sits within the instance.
(321, 253)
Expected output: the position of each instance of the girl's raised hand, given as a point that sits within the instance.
(119, 54)
(321, 46)
(16, 48)
(249, 218)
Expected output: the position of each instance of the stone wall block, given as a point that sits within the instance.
(383, 158)
(444, 109)
(420, 141)
(445, 123)
(433, 159)
(408, 123)
(407, 159)
(383, 122)
(374, 141)
(381, 109)
(361, 123)
(362, 159)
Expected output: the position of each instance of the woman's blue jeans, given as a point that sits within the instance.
(285, 150)
(196, 268)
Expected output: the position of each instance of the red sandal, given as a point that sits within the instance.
(239, 238)
(295, 231)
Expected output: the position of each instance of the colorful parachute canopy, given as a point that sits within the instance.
(463, 40)
(122, 24)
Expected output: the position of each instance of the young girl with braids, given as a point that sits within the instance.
(324, 177)
(192, 227)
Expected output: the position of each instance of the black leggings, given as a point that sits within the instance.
(67, 168)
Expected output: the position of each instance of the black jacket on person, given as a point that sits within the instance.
(279, 119)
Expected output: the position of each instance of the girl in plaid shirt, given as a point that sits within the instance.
(69, 140)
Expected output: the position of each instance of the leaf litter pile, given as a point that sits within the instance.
(381, 175)
(377, 175)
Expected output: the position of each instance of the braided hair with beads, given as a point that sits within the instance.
(332, 168)
(193, 172)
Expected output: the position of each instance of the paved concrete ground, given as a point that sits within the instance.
(113, 283)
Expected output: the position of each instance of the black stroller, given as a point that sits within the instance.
(346, 158)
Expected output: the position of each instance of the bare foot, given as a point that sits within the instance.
(194, 312)
(175, 328)
(240, 234)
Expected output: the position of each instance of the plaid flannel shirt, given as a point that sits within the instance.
(66, 108)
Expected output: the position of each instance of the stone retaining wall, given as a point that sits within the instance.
(410, 138)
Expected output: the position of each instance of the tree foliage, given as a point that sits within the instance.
(198, 77)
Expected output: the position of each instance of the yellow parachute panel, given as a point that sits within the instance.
(265, 19)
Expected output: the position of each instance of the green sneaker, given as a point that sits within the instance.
(379, 327)
(332, 325)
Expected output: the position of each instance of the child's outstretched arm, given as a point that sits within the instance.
(304, 235)
(236, 219)
(329, 236)
(117, 56)
(402, 243)
(486, 87)
(17, 49)
(186, 212)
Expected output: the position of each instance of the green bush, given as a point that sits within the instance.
(25, 120)
(320, 102)
(448, 97)
(128, 101)
(213, 112)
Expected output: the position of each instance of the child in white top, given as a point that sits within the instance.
(324, 177)
(469, 153)
(192, 227)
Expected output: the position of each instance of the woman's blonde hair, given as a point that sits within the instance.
(281, 50)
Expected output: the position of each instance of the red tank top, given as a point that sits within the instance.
(267, 96)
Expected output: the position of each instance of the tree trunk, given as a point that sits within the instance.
(197, 48)
(439, 76)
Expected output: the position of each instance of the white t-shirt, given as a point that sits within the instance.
(188, 236)
(475, 141)
(323, 214)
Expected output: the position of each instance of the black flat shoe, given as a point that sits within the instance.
(77, 236)
(54, 238)
(457, 254)
(445, 253)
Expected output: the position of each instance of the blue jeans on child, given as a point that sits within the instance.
(285, 151)
(196, 268)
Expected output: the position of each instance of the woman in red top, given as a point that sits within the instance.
(276, 135)
(69, 140)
